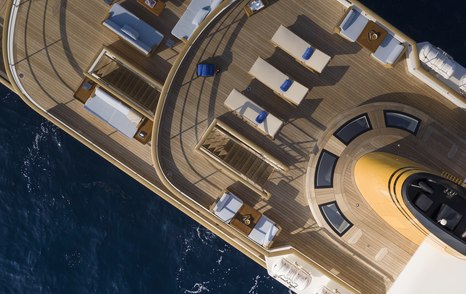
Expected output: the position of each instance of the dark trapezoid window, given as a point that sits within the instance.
(353, 128)
(335, 218)
(325, 169)
(401, 120)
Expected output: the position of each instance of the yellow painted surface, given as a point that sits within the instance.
(375, 175)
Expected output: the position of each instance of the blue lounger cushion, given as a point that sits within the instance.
(308, 53)
(286, 85)
(261, 116)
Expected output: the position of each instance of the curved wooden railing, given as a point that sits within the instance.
(224, 231)
(241, 242)
(10, 68)
(192, 208)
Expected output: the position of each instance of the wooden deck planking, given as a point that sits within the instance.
(54, 43)
(53, 51)
(352, 78)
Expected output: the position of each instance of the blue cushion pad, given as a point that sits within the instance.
(308, 53)
(261, 116)
(286, 85)
(205, 70)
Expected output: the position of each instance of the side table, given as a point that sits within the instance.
(157, 9)
(255, 6)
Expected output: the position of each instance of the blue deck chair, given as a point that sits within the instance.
(205, 70)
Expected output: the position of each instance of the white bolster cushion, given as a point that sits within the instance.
(130, 31)
(200, 15)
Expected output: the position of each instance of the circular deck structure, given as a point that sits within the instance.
(233, 42)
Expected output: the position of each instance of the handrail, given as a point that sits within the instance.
(117, 93)
(165, 193)
(122, 60)
(8, 57)
(246, 244)
(209, 220)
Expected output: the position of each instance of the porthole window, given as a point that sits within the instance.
(325, 169)
(400, 120)
(353, 128)
(335, 218)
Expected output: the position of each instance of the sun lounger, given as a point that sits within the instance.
(352, 25)
(227, 206)
(115, 113)
(280, 83)
(389, 51)
(264, 231)
(132, 29)
(304, 53)
(250, 112)
(196, 12)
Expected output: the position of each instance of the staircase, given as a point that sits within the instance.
(453, 178)
(133, 87)
(238, 157)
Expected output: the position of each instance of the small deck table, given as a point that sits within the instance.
(85, 90)
(157, 9)
(251, 9)
(144, 132)
(245, 219)
(372, 36)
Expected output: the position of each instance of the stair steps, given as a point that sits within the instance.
(453, 178)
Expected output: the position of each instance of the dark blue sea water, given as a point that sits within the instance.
(70, 222)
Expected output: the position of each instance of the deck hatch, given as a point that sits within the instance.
(401, 120)
(335, 218)
(325, 169)
(353, 128)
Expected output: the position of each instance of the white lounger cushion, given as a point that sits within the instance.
(264, 231)
(250, 110)
(192, 17)
(115, 113)
(295, 46)
(353, 25)
(389, 51)
(273, 78)
(200, 15)
(227, 206)
(132, 29)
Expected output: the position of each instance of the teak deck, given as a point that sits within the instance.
(55, 41)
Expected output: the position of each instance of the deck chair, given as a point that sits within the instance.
(227, 206)
(352, 25)
(389, 51)
(303, 52)
(206, 70)
(264, 231)
(292, 91)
